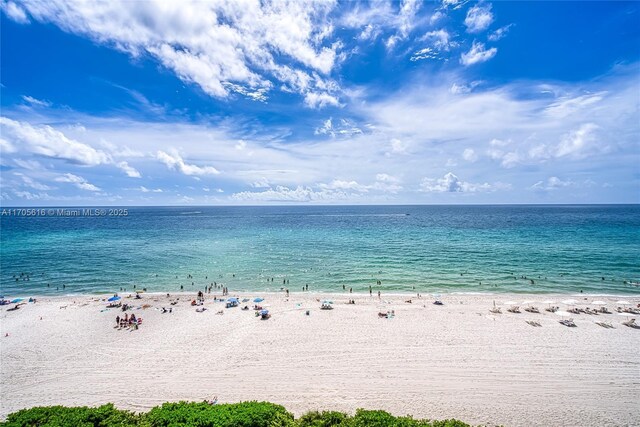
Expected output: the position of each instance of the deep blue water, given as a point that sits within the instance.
(408, 248)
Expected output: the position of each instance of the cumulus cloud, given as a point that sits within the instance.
(469, 155)
(130, 171)
(78, 181)
(49, 142)
(477, 54)
(150, 190)
(439, 42)
(175, 162)
(478, 18)
(286, 194)
(222, 47)
(450, 183)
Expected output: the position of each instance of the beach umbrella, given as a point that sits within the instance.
(245, 299)
(562, 313)
(16, 300)
(264, 312)
(233, 299)
(598, 303)
(510, 303)
(327, 302)
(527, 302)
(113, 299)
(548, 302)
(570, 302)
(623, 302)
(258, 299)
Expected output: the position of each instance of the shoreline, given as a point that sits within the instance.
(336, 294)
(452, 361)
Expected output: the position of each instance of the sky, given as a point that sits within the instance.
(292, 102)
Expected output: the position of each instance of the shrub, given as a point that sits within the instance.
(191, 414)
(323, 419)
(60, 416)
(245, 414)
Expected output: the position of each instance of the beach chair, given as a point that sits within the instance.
(631, 323)
(568, 322)
(514, 309)
(532, 309)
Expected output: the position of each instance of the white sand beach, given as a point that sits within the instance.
(456, 360)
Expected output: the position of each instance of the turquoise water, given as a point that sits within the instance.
(426, 249)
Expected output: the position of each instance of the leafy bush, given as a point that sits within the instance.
(245, 414)
(323, 419)
(60, 416)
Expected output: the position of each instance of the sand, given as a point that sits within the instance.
(429, 361)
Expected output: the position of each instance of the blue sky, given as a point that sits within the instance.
(249, 102)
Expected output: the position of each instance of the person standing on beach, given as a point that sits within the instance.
(378, 294)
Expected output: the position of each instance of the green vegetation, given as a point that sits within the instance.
(245, 414)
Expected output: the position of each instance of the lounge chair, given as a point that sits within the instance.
(514, 309)
(569, 322)
(534, 323)
(532, 309)
(552, 309)
(496, 310)
(605, 325)
(438, 302)
(631, 323)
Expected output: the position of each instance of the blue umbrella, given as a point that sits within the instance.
(264, 312)
(16, 300)
(233, 300)
(113, 299)
(258, 300)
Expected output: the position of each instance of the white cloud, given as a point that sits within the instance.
(37, 102)
(175, 162)
(478, 18)
(425, 53)
(49, 142)
(14, 12)
(450, 183)
(398, 146)
(7, 147)
(222, 47)
(439, 39)
(338, 184)
(31, 183)
(28, 164)
(477, 54)
(78, 181)
(320, 100)
(439, 42)
(344, 127)
(552, 183)
(286, 194)
(469, 155)
(130, 171)
(150, 190)
(499, 33)
(580, 142)
(568, 105)
(464, 88)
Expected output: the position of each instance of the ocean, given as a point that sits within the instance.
(399, 249)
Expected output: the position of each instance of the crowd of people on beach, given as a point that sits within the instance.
(128, 321)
